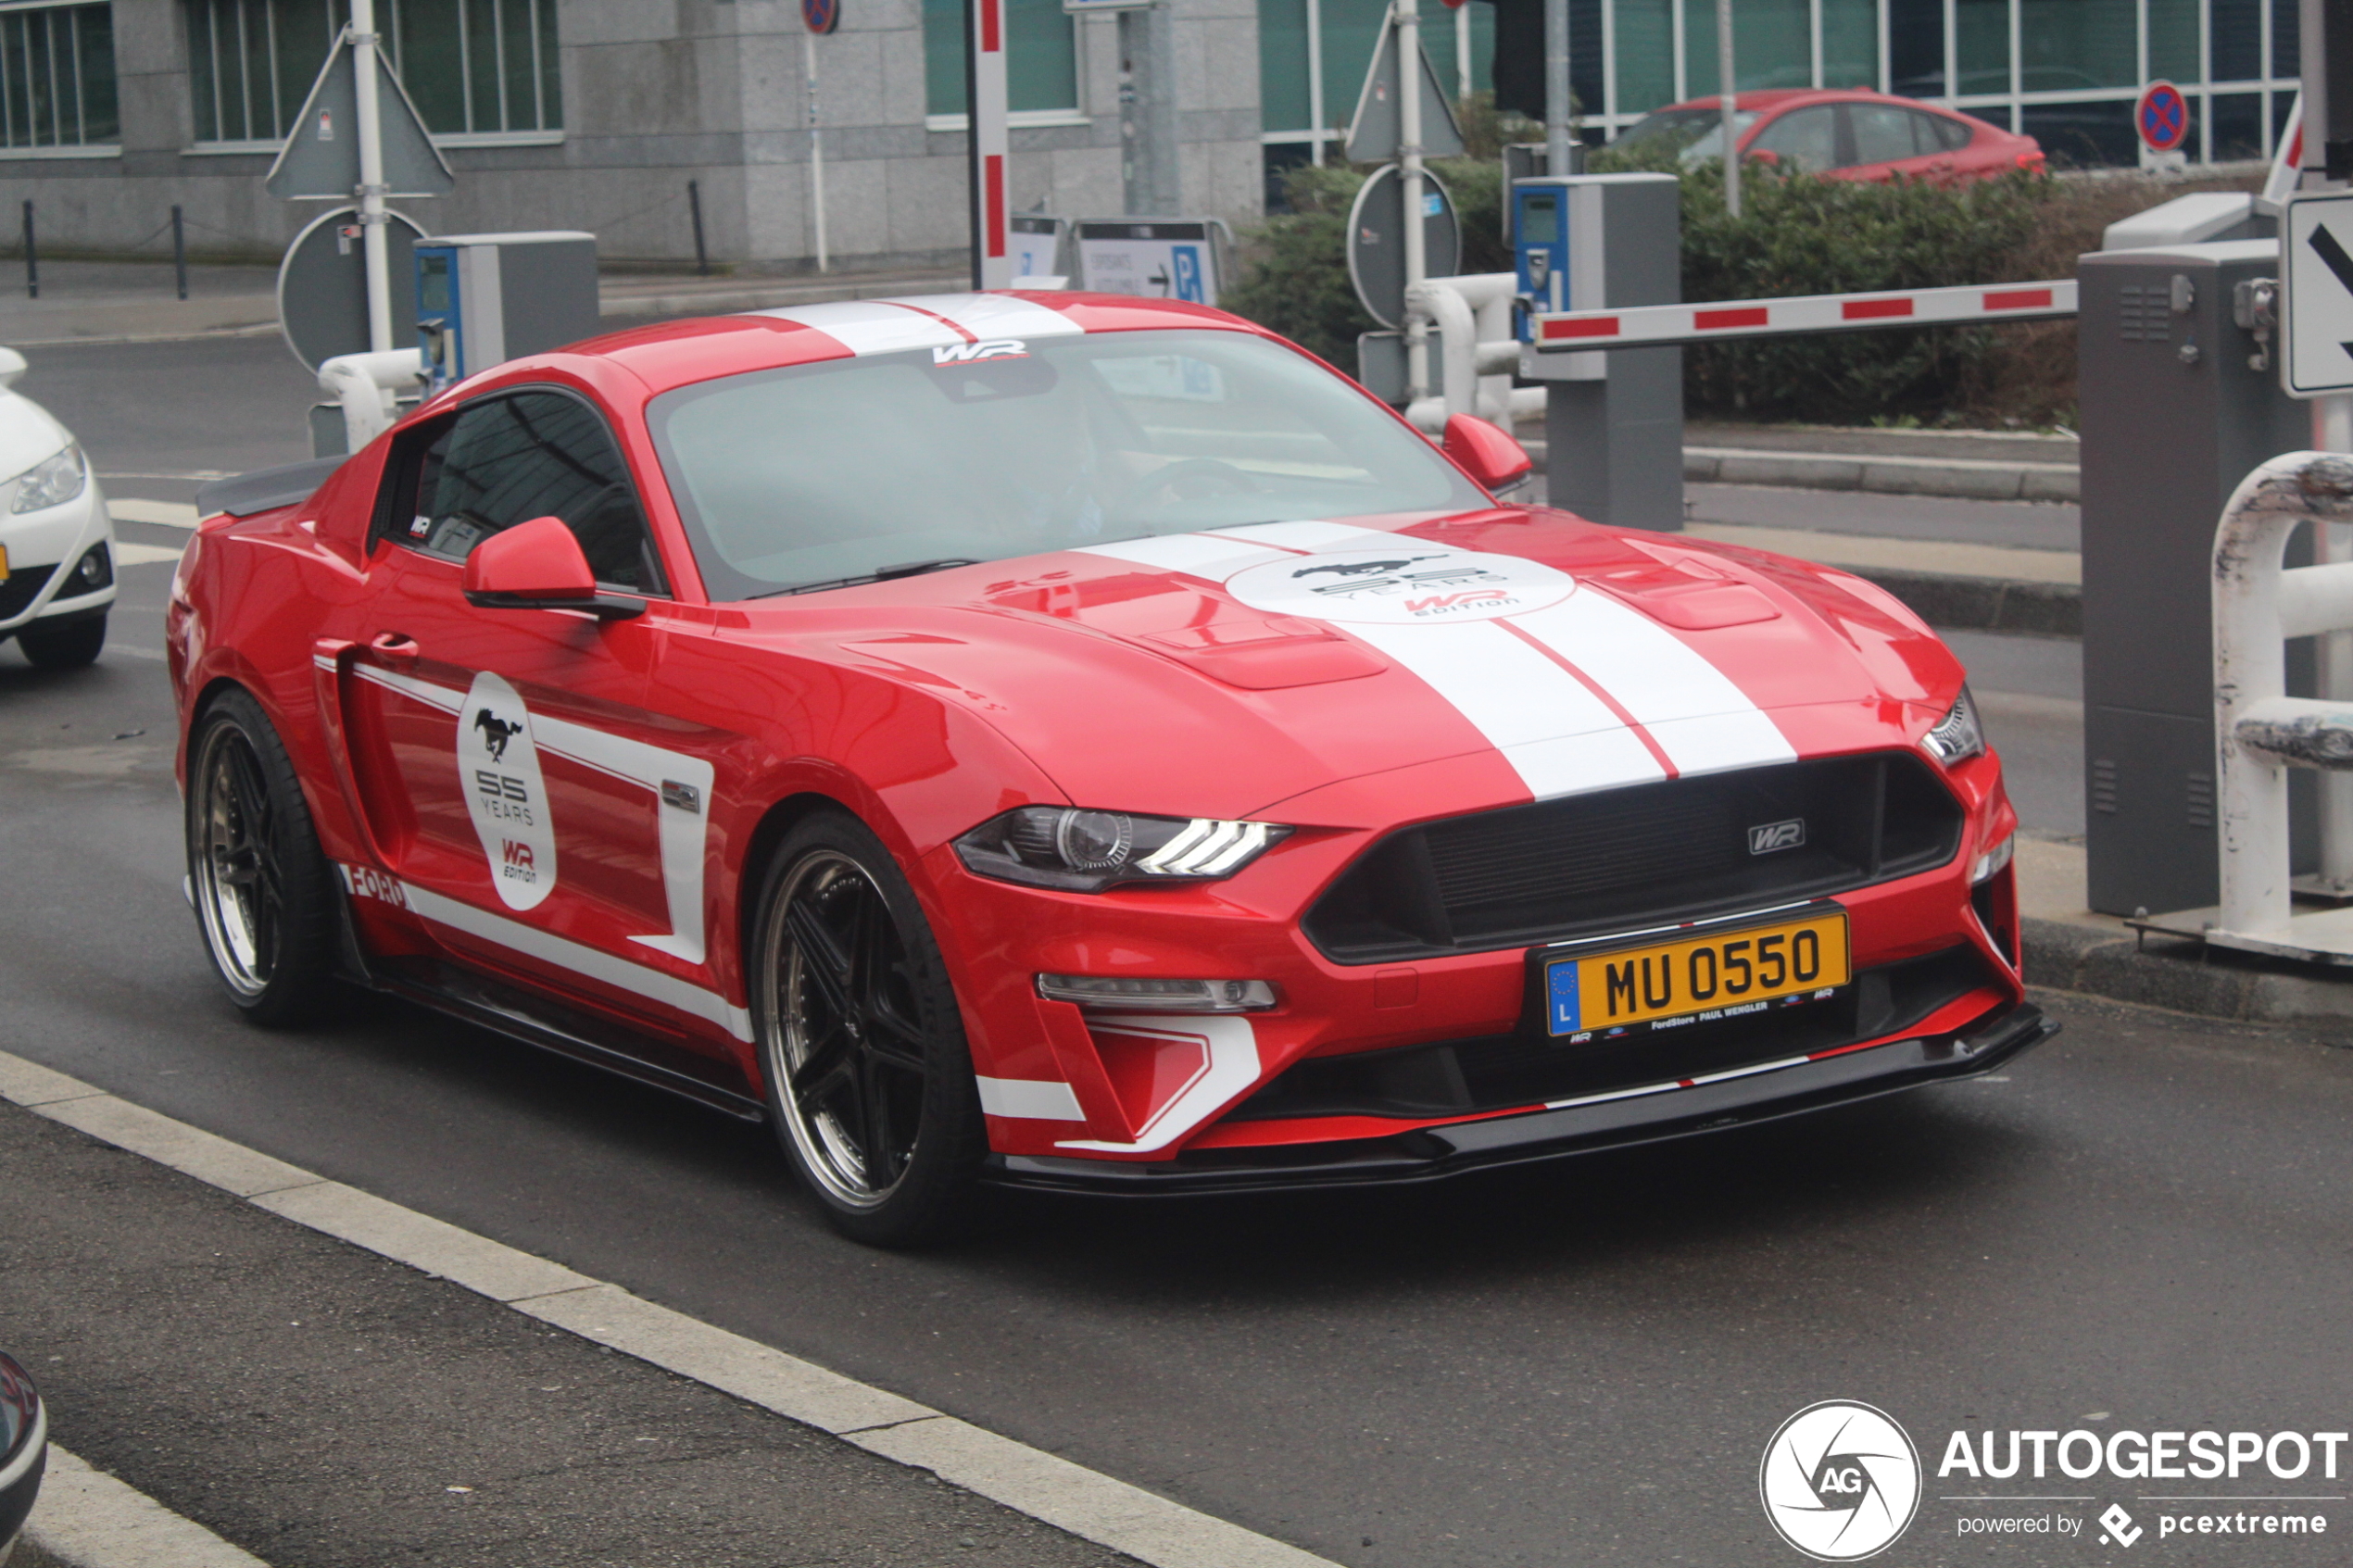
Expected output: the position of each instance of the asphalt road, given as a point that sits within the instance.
(2144, 1226)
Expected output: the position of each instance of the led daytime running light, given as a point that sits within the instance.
(1958, 736)
(1990, 864)
(1139, 994)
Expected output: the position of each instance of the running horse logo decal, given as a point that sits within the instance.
(1363, 568)
(495, 734)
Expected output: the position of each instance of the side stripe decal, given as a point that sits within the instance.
(698, 1001)
(1230, 1047)
(1034, 1099)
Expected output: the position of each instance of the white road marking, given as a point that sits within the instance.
(172, 514)
(1071, 1497)
(144, 555)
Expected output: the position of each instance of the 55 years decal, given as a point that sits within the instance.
(498, 771)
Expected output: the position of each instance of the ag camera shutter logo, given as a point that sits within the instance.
(1840, 1481)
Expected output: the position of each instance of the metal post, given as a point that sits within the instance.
(816, 147)
(1557, 88)
(693, 212)
(31, 256)
(1147, 111)
(180, 251)
(1409, 171)
(1727, 85)
(371, 176)
(2332, 542)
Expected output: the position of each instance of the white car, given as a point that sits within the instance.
(56, 543)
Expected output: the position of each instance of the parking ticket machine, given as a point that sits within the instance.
(482, 300)
(1539, 245)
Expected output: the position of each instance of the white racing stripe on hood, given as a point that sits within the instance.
(1703, 722)
(894, 326)
(1196, 555)
(1560, 738)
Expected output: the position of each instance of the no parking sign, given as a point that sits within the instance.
(2162, 116)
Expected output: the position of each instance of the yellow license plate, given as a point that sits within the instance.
(1723, 975)
(4, 563)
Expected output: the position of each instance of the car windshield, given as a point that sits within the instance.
(842, 472)
(1693, 135)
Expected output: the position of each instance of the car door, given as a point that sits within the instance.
(509, 773)
(1883, 141)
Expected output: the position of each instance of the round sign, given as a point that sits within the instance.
(1376, 240)
(2162, 116)
(1840, 1481)
(322, 286)
(820, 17)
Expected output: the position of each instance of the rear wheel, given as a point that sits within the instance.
(64, 647)
(868, 1079)
(263, 890)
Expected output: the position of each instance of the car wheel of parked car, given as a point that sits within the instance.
(264, 893)
(862, 1056)
(64, 647)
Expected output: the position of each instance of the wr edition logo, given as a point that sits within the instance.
(974, 353)
(1840, 1481)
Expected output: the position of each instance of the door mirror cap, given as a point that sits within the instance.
(538, 565)
(1487, 454)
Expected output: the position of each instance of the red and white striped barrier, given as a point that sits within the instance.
(1654, 326)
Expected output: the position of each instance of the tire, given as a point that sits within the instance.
(851, 1002)
(64, 647)
(264, 892)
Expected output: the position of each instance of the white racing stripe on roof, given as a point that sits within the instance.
(1704, 721)
(1560, 738)
(894, 326)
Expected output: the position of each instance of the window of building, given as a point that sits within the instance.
(56, 81)
(1041, 60)
(477, 69)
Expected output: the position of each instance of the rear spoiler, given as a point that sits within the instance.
(265, 489)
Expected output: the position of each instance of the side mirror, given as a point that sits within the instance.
(1487, 454)
(538, 565)
(1765, 155)
(12, 365)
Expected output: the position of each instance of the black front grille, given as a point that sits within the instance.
(1507, 1072)
(1626, 859)
(24, 585)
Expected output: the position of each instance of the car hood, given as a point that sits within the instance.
(27, 434)
(1443, 663)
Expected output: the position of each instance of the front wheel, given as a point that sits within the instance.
(263, 890)
(862, 1057)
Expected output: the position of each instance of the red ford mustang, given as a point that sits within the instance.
(1074, 742)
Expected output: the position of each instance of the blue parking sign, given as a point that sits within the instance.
(1188, 269)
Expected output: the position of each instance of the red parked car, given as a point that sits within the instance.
(1843, 133)
(1079, 741)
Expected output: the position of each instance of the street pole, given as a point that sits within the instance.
(1409, 172)
(1557, 88)
(985, 137)
(371, 176)
(816, 145)
(1151, 184)
(1725, 84)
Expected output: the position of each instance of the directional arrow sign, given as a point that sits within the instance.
(2316, 295)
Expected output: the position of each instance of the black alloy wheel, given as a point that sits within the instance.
(863, 1062)
(263, 891)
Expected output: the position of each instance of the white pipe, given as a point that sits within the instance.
(1409, 138)
(1525, 403)
(2259, 733)
(367, 386)
(371, 176)
(2333, 542)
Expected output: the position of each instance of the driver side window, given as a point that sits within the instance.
(1806, 140)
(536, 454)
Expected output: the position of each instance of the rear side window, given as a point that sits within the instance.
(536, 454)
(1805, 140)
(1885, 133)
(1947, 135)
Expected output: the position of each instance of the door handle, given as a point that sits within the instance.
(395, 648)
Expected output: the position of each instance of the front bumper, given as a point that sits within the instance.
(43, 547)
(1648, 1115)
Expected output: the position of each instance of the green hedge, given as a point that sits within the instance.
(1797, 236)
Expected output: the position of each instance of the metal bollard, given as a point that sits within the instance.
(31, 256)
(693, 205)
(180, 251)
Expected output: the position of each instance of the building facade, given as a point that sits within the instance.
(596, 114)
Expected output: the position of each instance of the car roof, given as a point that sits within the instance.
(1766, 100)
(673, 354)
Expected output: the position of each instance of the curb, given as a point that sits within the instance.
(1968, 478)
(85, 1518)
(1983, 603)
(1069, 1497)
(2182, 976)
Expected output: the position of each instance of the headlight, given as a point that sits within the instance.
(1958, 736)
(51, 484)
(1084, 851)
